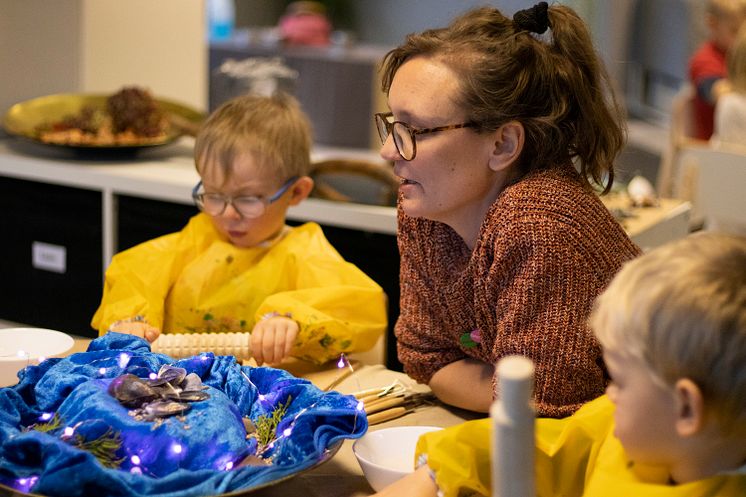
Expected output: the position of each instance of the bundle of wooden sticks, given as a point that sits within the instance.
(390, 402)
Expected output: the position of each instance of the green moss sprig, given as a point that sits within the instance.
(51, 425)
(103, 448)
(266, 425)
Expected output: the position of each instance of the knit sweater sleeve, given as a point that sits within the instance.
(422, 346)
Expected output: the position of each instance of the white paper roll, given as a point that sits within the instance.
(513, 429)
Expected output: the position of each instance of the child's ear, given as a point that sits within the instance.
(301, 190)
(508, 145)
(690, 407)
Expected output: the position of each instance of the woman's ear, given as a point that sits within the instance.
(301, 190)
(508, 145)
(690, 407)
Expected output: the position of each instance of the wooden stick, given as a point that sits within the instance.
(378, 391)
(387, 415)
(368, 393)
(370, 398)
(384, 404)
(377, 400)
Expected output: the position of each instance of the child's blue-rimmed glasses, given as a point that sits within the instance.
(248, 206)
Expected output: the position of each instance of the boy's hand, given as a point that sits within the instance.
(272, 339)
(136, 327)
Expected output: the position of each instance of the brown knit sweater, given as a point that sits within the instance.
(546, 249)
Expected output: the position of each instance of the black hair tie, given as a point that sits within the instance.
(535, 19)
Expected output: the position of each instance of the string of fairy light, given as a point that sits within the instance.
(176, 448)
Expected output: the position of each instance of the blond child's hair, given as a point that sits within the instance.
(274, 130)
(723, 9)
(737, 62)
(681, 309)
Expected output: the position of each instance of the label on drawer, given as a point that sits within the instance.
(49, 257)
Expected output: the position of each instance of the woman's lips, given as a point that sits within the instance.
(407, 185)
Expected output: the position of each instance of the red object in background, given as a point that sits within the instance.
(305, 29)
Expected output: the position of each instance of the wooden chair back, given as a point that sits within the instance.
(347, 180)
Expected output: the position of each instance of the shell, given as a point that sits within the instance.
(192, 383)
(167, 395)
(169, 374)
(131, 391)
(193, 396)
(164, 408)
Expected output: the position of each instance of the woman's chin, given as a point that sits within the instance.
(411, 207)
(416, 209)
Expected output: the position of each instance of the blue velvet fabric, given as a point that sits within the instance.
(177, 457)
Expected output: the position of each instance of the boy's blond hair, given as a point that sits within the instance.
(737, 62)
(681, 309)
(722, 9)
(274, 130)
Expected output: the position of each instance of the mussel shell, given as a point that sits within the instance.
(165, 408)
(131, 391)
(192, 383)
(193, 396)
(169, 374)
(168, 391)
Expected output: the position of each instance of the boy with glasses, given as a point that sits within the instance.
(237, 266)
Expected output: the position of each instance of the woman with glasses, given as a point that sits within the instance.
(237, 266)
(499, 130)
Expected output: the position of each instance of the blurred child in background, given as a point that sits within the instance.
(707, 67)
(730, 111)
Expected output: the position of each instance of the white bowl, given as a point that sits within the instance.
(21, 347)
(388, 454)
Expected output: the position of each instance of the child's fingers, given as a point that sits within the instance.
(128, 327)
(285, 332)
(137, 328)
(257, 336)
(279, 345)
(272, 339)
(290, 337)
(151, 333)
(268, 344)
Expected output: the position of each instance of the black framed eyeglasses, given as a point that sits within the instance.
(405, 135)
(248, 206)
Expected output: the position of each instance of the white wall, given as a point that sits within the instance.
(39, 54)
(101, 45)
(158, 44)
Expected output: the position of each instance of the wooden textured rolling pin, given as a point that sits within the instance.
(180, 345)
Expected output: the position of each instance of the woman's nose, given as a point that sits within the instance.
(389, 151)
